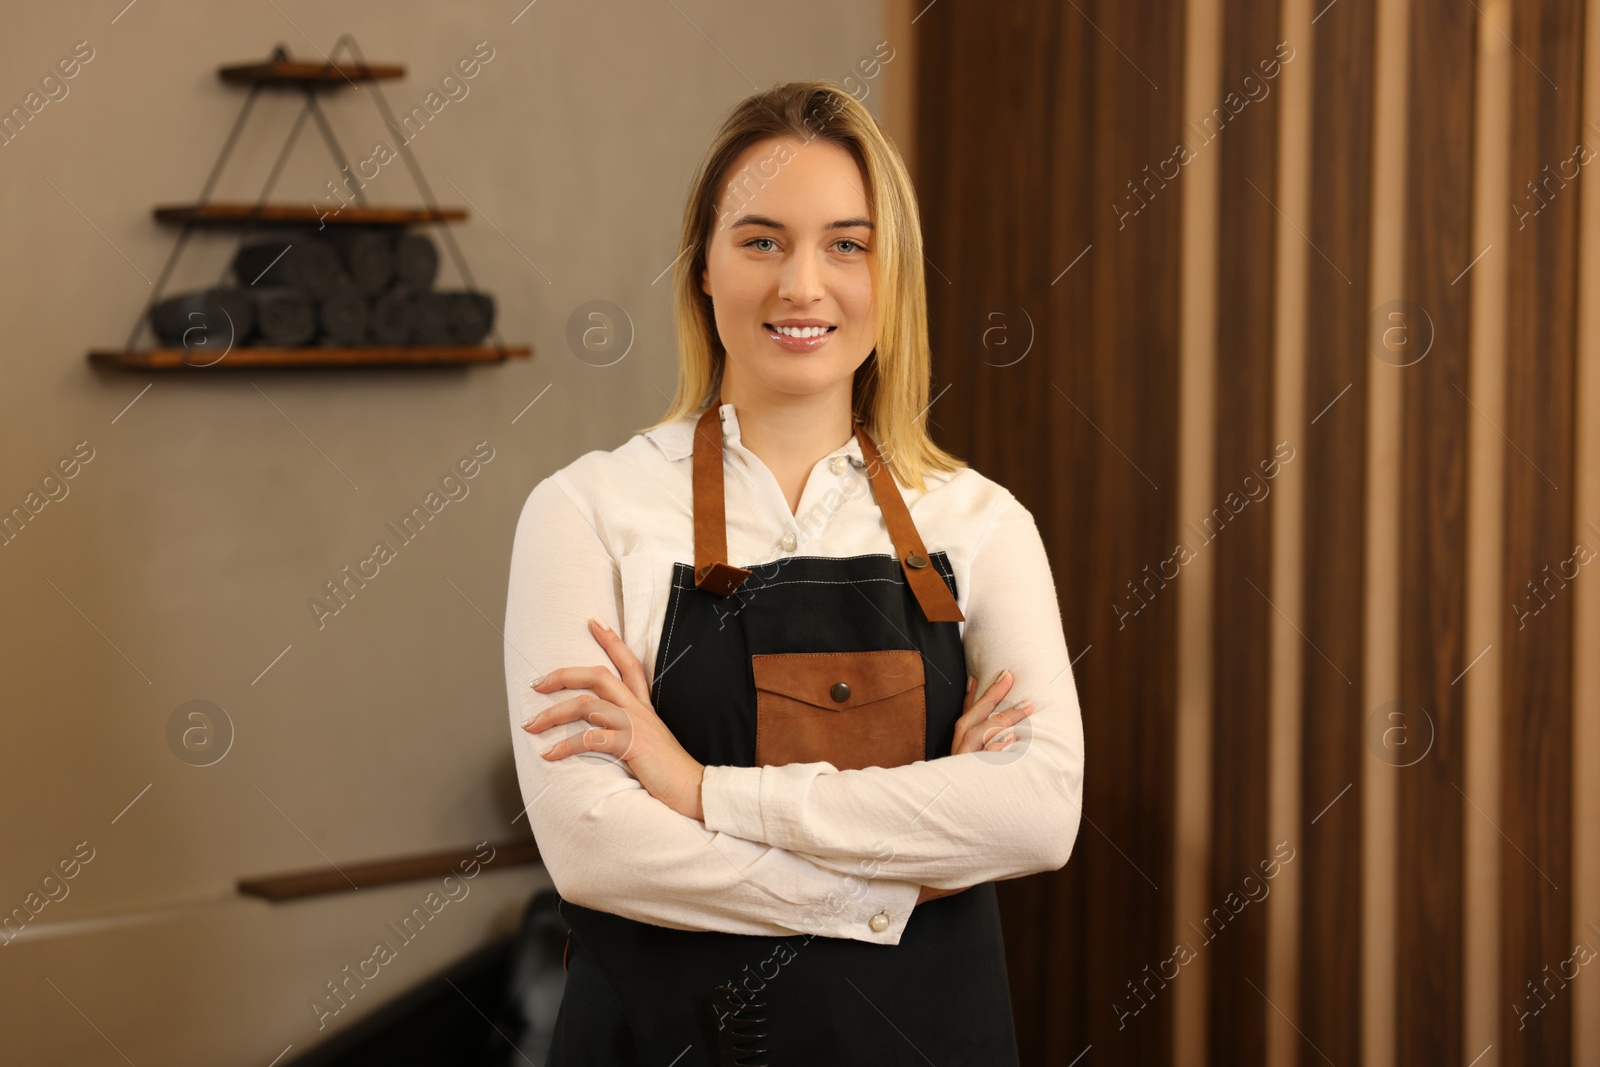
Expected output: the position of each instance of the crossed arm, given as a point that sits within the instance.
(960, 820)
(606, 842)
(803, 848)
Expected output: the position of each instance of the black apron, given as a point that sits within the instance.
(639, 994)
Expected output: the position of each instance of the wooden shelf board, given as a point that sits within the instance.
(238, 213)
(246, 356)
(294, 73)
(316, 881)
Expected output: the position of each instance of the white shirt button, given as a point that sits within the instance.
(838, 464)
(788, 542)
(879, 922)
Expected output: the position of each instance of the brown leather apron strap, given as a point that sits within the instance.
(926, 583)
(711, 569)
(713, 573)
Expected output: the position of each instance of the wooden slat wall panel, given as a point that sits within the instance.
(1066, 999)
(1032, 120)
(989, 264)
(1101, 377)
(1235, 945)
(1120, 400)
(1055, 487)
(1333, 744)
(1536, 768)
(1125, 380)
(1438, 219)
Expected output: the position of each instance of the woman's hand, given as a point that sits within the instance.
(625, 725)
(981, 727)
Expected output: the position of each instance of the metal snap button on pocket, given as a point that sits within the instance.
(915, 559)
(840, 691)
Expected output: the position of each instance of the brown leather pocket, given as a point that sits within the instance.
(850, 709)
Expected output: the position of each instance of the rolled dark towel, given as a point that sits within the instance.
(429, 318)
(239, 306)
(285, 317)
(416, 261)
(310, 264)
(368, 256)
(342, 315)
(389, 318)
(471, 316)
(209, 319)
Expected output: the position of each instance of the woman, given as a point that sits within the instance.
(778, 845)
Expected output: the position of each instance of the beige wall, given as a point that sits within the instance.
(181, 560)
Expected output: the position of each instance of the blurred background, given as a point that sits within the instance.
(1271, 313)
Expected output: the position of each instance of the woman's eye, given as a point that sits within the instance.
(766, 244)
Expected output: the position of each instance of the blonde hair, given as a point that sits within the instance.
(890, 391)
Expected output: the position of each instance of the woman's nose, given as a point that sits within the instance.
(801, 281)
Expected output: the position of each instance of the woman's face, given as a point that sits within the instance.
(790, 252)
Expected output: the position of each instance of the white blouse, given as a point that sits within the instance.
(803, 848)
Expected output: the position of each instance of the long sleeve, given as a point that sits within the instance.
(607, 843)
(960, 820)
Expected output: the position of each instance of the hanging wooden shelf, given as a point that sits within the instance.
(238, 213)
(280, 71)
(248, 357)
(294, 74)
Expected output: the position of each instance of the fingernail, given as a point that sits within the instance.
(537, 682)
(1006, 673)
(971, 682)
(1027, 706)
(549, 750)
(527, 723)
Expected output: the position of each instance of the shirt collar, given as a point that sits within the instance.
(676, 438)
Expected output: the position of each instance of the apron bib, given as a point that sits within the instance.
(799, 656)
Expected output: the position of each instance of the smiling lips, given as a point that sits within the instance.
(807, 337)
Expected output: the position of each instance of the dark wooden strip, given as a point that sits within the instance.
(985, 183)
(1536, 695)
(1242, 130)
(1426, 739)
(1012, 196)
(1333, 449)
(254, 358)
(239, 213)
(1113, 333)
(317, 881)
(1054, 484)
(295, 74)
